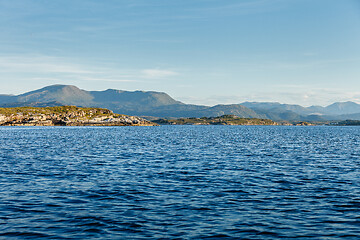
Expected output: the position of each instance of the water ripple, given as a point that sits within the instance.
(180, 182)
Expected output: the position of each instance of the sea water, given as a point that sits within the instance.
(180, 182)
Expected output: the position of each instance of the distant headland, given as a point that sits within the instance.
(222, 120)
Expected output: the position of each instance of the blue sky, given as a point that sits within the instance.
(199, 51)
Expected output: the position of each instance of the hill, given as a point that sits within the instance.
(342, 108)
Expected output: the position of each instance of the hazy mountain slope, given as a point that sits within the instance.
(232, 109)
(354, 116)
(276, 111)
(278, 114)
(142, 103)
(340, 108)
(134, 103)
(275, 106)
(176, 110)
(7, 98)
(317, 109)
(315, 117)
(133, 98)
(65, 94)
(31, 104)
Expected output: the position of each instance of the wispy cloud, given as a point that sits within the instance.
(40, 64)
(276, 64)
(232, 8)
(293, 94)
(306, 97)
(113, 79)
(158, 73)
(86, 78)
(49, 68)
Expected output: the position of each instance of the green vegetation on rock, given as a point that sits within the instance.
(67, 116)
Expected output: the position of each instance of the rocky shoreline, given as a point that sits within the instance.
(67, 116)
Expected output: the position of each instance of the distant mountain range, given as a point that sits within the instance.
(159, 104)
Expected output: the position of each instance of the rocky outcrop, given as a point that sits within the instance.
(67, 116)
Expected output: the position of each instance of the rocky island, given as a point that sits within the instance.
(221, 120)
(67, 116)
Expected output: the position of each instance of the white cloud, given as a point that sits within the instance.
(157, 73)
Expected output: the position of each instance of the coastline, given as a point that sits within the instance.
(67, 116)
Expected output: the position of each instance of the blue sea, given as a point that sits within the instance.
(180, 182)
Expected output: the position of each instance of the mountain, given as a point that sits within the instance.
(278, 114)
(353, 116)
(343, 108)
(136, 102)
(133, 98)
(277, 111)
(32, 104)
(317, 109)
(140, 103)
(117, 100)
(338, 108)
(232, 109)
(7, 98)
(65, 94)
(159, 104)
(275, 106)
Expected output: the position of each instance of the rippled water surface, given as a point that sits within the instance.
(180, 182)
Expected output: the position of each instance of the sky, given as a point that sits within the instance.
(206, 52)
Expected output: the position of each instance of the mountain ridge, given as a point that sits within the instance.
(160, 104)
